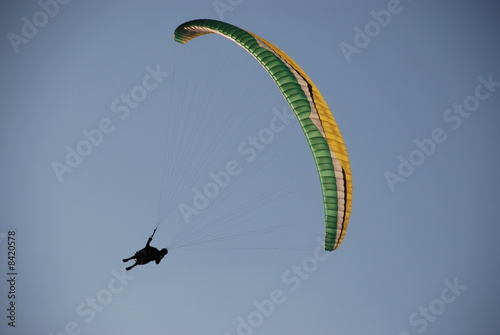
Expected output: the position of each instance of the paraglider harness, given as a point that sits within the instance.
(147, 254)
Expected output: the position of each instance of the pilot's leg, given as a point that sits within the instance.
(130, 267)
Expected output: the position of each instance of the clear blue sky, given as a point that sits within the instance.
(414, 87)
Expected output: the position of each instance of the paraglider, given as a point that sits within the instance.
(147, 254)
(314, 116)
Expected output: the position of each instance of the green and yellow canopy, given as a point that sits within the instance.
(313, 114)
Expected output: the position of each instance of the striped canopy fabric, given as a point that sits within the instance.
(313, 114)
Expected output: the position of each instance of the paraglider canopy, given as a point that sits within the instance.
(313, 114)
